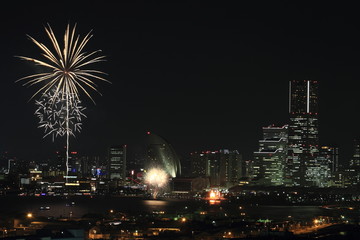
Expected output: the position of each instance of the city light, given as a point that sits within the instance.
(215, 86)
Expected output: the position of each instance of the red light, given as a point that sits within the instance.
(148, 133)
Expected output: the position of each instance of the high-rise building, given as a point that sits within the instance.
(198, 163)
(223, 167)
(303, 133)
(269, 161)
(74, 164)
(91, 166)
(230, 167)
(355, 160)
(331, 153)
(117, 162)
(326, 166)
(72, 169)
(352, 173)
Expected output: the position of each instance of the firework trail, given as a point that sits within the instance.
(52, 113)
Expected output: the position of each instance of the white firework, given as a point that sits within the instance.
(157, 179)
(51, 111)
(65, 66)
(66, 74)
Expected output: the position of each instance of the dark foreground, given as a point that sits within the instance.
(137, 218)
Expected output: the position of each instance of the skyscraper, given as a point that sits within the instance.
(223, 167)
(332, 154)
(327, 163)
(355, 160)
(353, 172)
(303, 132)
(117, 162)
(269, 161)
(230, 167)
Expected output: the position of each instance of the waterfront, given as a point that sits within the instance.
(100, 217)
(79, 206)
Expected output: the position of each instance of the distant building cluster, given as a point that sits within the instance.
(292, 156)
(287, 156)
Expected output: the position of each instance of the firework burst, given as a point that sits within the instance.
(65, 66)
(157, 179)
(66, 75)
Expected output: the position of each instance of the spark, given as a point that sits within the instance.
(51, 113)
(156, 178)
(65, 76)
(65, 66)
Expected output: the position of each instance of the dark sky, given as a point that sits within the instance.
(202, 75)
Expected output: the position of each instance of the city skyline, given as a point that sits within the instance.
(219, 120)
(207, 79)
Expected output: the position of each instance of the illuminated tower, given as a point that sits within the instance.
(303, 133)
(117, 162)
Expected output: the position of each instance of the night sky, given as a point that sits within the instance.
(202, 75)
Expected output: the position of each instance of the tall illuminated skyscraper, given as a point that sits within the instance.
(117, 162)
(303, 133)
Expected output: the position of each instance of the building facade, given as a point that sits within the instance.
(222, 167)
(269, 161)
(117, 162)
(303, 140)
(355, 159)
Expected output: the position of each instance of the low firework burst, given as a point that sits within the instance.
(157, 179)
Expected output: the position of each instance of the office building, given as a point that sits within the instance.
(269, 161)
(352, 173)
(117, 162)
(222, 167)
(355, 159)
(303, 139)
